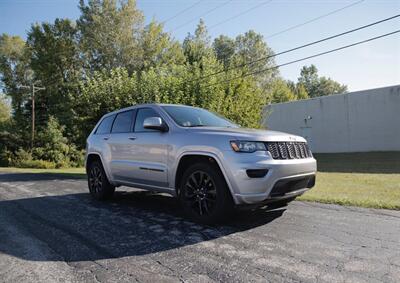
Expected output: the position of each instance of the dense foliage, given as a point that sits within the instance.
(109, 59)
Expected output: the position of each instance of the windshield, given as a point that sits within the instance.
(196, 117)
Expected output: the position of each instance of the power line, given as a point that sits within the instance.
(314, 19)
(240, 14)
(300, 47)
(182, 11)
(205, 14)
(306, 58)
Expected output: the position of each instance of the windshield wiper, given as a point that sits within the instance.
(191, 126)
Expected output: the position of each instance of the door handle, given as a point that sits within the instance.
(105, 138)
(132, 138)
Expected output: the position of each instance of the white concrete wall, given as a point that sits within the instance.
(359, 121)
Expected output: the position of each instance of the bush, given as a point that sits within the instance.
(5, 157)
(54, 147)
(51, 150)
(238, 100)
(23, 159)
(38, 164)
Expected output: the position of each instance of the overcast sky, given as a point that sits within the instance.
(371, 65)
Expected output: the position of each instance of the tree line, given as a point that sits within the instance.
(108, 59)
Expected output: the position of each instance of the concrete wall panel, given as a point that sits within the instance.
(359, 121)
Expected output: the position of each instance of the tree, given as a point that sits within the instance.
(4, 110)
(54, 59)
(309, 79)
(250, 47)
(108, 59)
(224, 48)
(109, 34)
(281, 92)
(328, 86)
(14, 72)
(239, 100)
(157, 48)
(318, 86)
(298, 90)
(197, 46)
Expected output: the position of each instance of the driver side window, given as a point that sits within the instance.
(142, 114)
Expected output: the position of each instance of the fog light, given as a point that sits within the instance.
(256, 173)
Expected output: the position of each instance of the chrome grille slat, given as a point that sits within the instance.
(297, 150)
(283, 150)
(288, 150)
(302, 154)
(273, 149)
(292, 153)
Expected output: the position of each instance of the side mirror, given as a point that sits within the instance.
(155, 123)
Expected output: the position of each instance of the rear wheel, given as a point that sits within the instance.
(204, 194)
(99, 186)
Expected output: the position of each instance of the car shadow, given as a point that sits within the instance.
(74, 227)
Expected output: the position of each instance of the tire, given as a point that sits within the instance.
(204, 195)
(99, 186)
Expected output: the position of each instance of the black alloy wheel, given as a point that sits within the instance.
(99, 186)
(95, 180)
(204, 195)
(200, 193)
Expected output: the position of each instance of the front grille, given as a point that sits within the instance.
(288, 150)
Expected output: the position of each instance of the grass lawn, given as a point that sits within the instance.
(72, 172)
(356, 179)
(357, 189)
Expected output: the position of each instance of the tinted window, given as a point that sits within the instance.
(105, 125)
(196, 117)
(123, 122)
(142, 114)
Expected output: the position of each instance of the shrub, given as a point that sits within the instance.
(38, 164)
(51, 150)
(5, 157)
(54, 147)
(23, 159)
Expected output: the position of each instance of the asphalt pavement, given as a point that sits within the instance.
(52, 231)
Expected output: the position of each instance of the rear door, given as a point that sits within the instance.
(121, 146)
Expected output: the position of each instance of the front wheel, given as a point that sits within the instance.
(204, 194)
(99, 186)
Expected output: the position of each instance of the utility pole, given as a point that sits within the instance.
(34, 88)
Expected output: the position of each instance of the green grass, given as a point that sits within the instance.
(365, 162)
(356, 189)
(354, 179)
(358, 179)
(68, 172)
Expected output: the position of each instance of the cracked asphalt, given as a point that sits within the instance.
(52, 231)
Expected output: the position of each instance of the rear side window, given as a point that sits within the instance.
(142, 114)
(105, 125)
(123, 122)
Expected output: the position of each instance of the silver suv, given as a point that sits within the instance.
(211, 164)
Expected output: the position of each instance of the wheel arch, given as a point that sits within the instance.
(93, 156)
(188, 158)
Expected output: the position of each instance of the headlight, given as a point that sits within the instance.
(247, 146)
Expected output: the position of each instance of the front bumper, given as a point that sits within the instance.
(281, 173)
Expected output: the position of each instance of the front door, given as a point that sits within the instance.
(148, 152)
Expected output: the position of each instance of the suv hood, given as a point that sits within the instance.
(248, 134)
